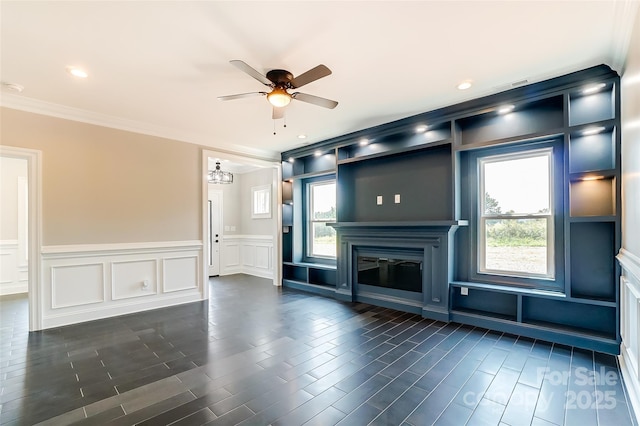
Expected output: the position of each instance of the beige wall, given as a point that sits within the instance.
(249, 225)
(10, 170)
(103, 185)
(631, 145)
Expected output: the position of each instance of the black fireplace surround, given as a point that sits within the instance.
(400, 265)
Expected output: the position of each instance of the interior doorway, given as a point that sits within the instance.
(14, 218)
(229, 227)
(28, 228)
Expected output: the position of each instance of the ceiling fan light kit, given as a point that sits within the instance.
(280, 82)
(279, 97)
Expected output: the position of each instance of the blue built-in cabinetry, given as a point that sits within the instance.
(428, 162)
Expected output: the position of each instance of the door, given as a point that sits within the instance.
(214, 212)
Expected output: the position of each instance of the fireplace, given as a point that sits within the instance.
(392, 272)
(399, 265)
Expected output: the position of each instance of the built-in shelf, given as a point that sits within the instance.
(309, 165)
(526, 118)
(592, 152)
(592, 197)
(592, 107)
(528, 138)
(386, 153)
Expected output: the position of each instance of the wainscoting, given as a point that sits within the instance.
(88, 282)
(14, 272)
(247, 254)
(630, 324)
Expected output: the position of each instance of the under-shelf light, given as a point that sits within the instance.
(506, 109)
(363, 142)
(317, 153)
(593, 89)
(291, 159)
(421, 128)
(589, 178)
(592, 131)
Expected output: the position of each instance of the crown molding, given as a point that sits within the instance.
(625, 14)
(37, 106)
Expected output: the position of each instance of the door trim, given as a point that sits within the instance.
(34, 240)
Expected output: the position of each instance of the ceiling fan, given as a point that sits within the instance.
(280, 82)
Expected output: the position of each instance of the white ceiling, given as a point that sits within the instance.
(157, 67)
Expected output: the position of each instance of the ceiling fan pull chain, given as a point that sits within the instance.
(274, 127)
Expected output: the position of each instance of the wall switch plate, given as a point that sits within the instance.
(379, 200)
(464, 291)
(396, 199)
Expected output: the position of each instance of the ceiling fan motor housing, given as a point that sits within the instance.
(280, 78)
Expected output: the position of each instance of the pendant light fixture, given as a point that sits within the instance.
(218, 176)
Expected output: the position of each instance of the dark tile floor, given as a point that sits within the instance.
(255, 354)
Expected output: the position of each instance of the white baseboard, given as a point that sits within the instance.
(8, 289)
(632, 385)
(102, 311)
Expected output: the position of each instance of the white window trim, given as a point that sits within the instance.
(311, 220)
(482, 218)
(264, 211)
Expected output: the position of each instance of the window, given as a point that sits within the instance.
(321, 239)
(261, 202)
(515, 212)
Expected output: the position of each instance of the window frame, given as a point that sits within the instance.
(309, 256)
(264, 191)
(470, 181)
(483, 217)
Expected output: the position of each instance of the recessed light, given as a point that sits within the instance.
(506, 109)
(592, 131)
(77, 72)
(464, 85)
(421, 128)
(593, 89)
(302, 136)
(364, 142)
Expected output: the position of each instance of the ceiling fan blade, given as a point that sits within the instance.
(315, 100)
(312, 75)
(278, 113)
(240, 96)
(242, 66)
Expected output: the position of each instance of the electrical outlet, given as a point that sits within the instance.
(464, 291)
(379, 200)
(396, 199)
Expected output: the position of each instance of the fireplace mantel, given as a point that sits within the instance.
(434, 240)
